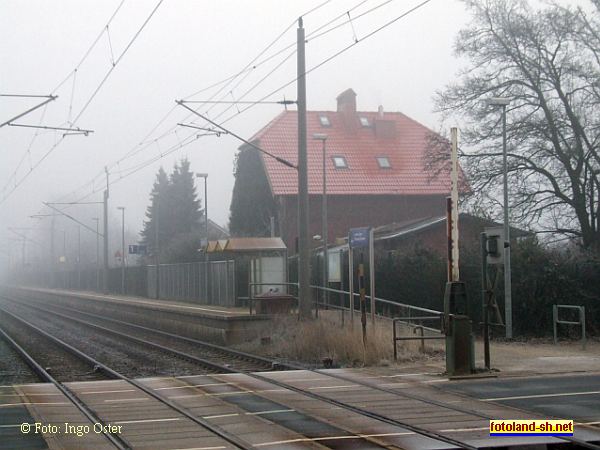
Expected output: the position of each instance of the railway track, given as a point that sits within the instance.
(229, 369)
(209, 350)
(115, 440)
(212, 357)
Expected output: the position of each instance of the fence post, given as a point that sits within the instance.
(554, 322)
(394, 333)
(582, 320)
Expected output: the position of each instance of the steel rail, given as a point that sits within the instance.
(205, 362)
(244, 356)
(185, 355)
(361, 411)
(232, 439)
(88, 412)
(297, 366)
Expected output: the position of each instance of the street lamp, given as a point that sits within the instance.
(205, 176)
(323, 138)
(503, 103)
(122, 208)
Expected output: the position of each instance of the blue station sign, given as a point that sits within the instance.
(137, 249)
(359, 237)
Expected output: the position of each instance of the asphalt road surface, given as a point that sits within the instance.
(574, 397)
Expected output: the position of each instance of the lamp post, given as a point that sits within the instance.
(97, 220)
(503, 103)
(205, 176)
(79, 257)
(323, 138)
(122, 209)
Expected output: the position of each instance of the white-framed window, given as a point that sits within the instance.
(384, 162)
(340, 162)
(324, 121)
(364, 121)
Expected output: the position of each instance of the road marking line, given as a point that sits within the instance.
(33, 403)
(216, 394)
(327, 438)
(191, 386)
(403, 375)
(142, 399)
(108, 392)
(304, 379)
(458, 430)
(519, 397)
(121, 422)
(199, 448)
(32, 394)
(218, 416)
(273, 411)
(333, 387)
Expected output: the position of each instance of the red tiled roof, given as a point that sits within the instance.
(360, 146)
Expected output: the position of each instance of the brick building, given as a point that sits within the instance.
(376, 173)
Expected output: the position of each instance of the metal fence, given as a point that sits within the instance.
(581, 322)
(340, 300)
(210, 283)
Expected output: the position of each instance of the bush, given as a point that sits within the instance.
(541, 277)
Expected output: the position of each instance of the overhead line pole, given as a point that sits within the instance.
(106, 193)
(157, 244)
(304, 307)
(97, 220)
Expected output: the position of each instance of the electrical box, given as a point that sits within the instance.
(495, 245)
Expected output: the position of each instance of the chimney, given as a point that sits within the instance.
(346, 105)
(384, 128)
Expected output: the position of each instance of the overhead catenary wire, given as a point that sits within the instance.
(144, 143)
(275, 157)
(88, 102)
(333, 56)
(100, 174)
(323, 62)
(189, 139)
(116, 62)
(73, 74)
(91, 47)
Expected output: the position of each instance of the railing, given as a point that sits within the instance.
(420, 328)
(556, 321)
(384, 308)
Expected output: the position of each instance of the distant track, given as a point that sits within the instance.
(222, 352)
(118, 442)
(373, 415)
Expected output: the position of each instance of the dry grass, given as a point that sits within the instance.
(312, 341)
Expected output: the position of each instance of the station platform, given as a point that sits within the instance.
(226, 325)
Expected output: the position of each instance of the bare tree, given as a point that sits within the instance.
(547, 61)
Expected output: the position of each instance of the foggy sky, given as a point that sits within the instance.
(185, 47)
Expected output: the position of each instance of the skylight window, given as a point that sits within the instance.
(340, 162)
(364, 121)
(324, 121)
(384, 162)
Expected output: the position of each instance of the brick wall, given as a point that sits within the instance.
(345, 212)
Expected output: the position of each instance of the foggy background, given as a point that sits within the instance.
(185, 47)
